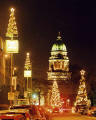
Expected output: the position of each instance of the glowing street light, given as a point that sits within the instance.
(6, 56)
(15, 68)
(34, 96)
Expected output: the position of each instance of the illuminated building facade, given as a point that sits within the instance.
(58, 61)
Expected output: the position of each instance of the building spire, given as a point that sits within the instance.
(12, 28)
(59, 36)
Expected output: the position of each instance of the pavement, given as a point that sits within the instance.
(70, 116)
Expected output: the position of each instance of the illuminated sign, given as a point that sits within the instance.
(27, 73)
(12, 46)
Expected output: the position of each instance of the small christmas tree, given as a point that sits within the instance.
(81, 99)
(27, 62)
(55, 98)
(12, 28)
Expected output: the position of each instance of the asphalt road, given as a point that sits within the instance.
(69, 116)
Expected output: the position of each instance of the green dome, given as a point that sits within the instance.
(59, 45)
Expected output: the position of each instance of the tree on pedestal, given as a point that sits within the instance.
(55, 97)
(81, 99)
(28, 72)
(12, 28)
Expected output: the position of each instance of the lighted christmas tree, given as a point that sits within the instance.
(12, 28)
(27, 62)
(81, 99)
(55, 98)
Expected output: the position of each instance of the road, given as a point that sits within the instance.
(72, 117)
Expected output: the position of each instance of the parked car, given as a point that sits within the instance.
(48, 109)
(12, 117)
(55, 110)
(23, 112)
(82, 109)
(92, 111)
(33, 111)
(45, 115)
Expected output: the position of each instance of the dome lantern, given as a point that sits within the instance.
(59, 36)
(59, 45)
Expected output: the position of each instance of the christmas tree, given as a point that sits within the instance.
(55, 98)
(12, 28)
(81, 99)
(27, 62)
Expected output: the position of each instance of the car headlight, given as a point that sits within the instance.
(93, 112)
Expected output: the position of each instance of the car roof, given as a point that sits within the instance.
(14, 110)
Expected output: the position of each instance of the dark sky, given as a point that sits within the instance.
(38, 23)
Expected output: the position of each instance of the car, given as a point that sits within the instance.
(48, 109)
(55, 110)
(92, 111)
(23, 112)
(82, 109)
(32, 109)
(12, 117)
(45, 115)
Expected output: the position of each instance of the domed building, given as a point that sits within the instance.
(59, 61)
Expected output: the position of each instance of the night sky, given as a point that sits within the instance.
(39, 22)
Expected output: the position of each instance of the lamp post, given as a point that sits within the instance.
(4, 64)
(14, 78)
